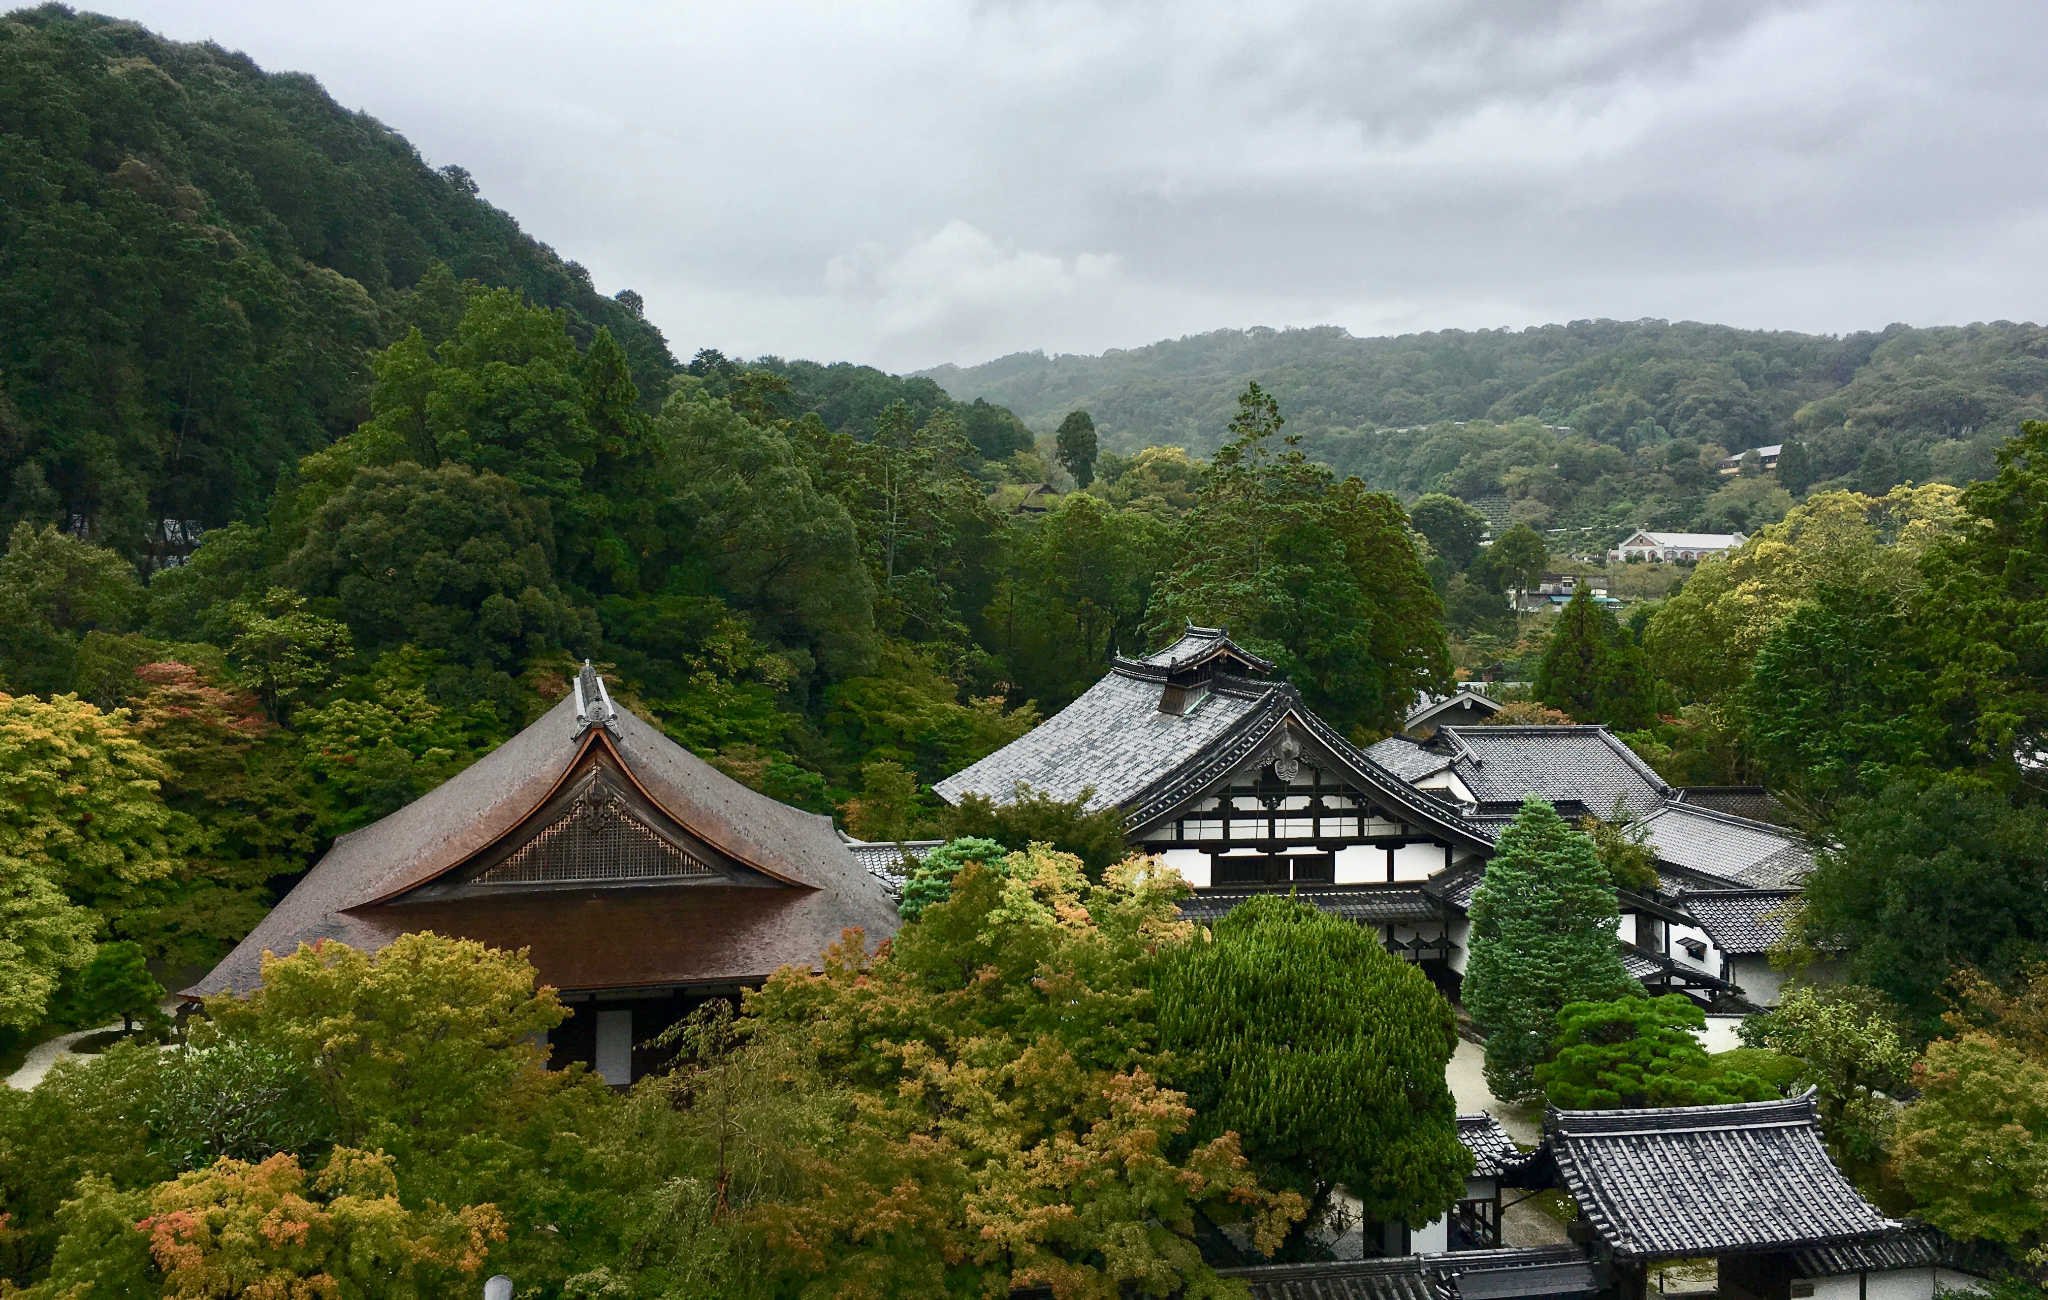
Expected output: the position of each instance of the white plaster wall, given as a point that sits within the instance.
(1431, 1237)
(1359, 864)
(1193, 865)
(1418, 861)
(1625, 929)
(1448, 782)
(1722, 1033)
(1893, 1284)
(1760, 984)
(1459, 932)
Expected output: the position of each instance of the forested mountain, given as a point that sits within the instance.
(1595, 423)
(197, 259)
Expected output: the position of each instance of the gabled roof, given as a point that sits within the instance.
(803, 885)
(1687, 1181)
(1743, 922)
(1432, 706)
(1585, 765)
(1725, 848)
(1410, 760)
(1198, 646)
(1118, 741)
(1494, 1153)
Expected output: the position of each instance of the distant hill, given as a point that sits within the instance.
(197, 258)
(1870, 409)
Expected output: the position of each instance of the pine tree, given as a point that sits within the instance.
(1543, 935)
(1592, 670)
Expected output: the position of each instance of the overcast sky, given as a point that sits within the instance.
(906, 184)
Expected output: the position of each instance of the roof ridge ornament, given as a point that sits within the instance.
(593, 702)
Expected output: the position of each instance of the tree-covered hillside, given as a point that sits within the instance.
(197, 259)
(1598, 423)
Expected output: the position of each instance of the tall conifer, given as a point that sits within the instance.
(1543, 935)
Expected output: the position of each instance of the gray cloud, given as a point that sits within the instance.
(905, 184)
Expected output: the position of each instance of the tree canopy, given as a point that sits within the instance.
(1543, 937)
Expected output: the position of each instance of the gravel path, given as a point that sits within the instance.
(44, 1055)
(1523, 1223)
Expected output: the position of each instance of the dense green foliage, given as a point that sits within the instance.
(1323, 1052)
(1601, 424)
(197, 258)
(1543, 924)
(1639, 1051)
(1322, 575)
(1592, 670)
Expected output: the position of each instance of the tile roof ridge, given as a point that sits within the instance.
(1670, 804)
(1803, 1108)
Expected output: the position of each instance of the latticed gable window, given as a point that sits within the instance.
(597, 838)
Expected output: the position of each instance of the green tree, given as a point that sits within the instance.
(414, 1045)
(1837, 696)
(930, 881)
(1592, 670)
(886, 806)
(1849, 1045)
(1323, 1052)
(1321, 575)
(1628, 860)
(117, 982)
(1543, 936)
(1078, 583)
(54, 589)
(83, 833)
(1930, 874)
(1704, 639)
(1095, 836)
(1638, 1051)
(1077, 447)
(1986, 614)
(444, 559)
(285, 652)
(1002, 1116)
(1515, 560)
(1455, 530)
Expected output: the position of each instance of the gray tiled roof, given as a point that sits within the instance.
(1113, 740)
(1743, 922)
(1427, 706)
(1729, 848)
(1401, 1277)
(1494, 1153)
(1199, 643)
(1116, 742)
(1370, 904)
(889, 861)
(1498, 1274)
(1407, 759)
(1687, 1181)
(1578, 764)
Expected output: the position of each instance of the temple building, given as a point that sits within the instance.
(1729, 885)
(1221, 771)
(642, 880)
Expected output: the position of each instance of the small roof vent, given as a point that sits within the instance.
(593, 702)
